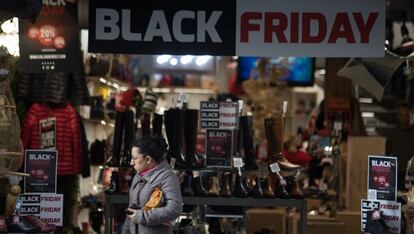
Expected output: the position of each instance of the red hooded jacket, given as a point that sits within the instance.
(67, 135)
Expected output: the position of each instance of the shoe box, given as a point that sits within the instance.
(269, 218)
(317, 225)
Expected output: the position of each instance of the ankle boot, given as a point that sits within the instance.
(269, 188)
(146, 124)
(157, 124)
(114, 184)
(240, 188)
(113, 161)
(246, 126)
(190, 137)
(213, 190)
(274, 135)
(174, 126)
(186, 188)
(128, 138)
(293, 187)
(281, 188)
(375, 223)
(257, 191)
(226, 180)
(198, 187)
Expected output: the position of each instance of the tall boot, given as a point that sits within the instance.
(113, 161)
(146, 124)
(281, 188)
(240, 188)
(128, 138)
(157, 124)
(213, 190)
(190, 137)
(246, 123)
(226, 180)
(114, 184)
(269, 188)
(257, 191)
(198, 187)
(174, 126)
(187, 190)
(274, 135)
(294, 187)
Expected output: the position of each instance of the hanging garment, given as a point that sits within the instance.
(67, 135)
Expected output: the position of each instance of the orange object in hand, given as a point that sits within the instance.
(155, 199)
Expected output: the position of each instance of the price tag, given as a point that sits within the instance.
(323, 186)
(183, 97)
(238, 162)
(274, 167)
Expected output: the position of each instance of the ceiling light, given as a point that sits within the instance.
(163, 58)
(173, 61)
(201, 60)
(186, 59)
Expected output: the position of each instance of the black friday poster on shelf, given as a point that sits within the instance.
(389, 211)
(42, 166)
(48, 207)
(51, 44)
(219, 148)
(382, 178)
(47, 128)
(219, 115)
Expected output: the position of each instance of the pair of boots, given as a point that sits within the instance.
(157, 122)
(228, 189)
(181, 126)
(123, 136)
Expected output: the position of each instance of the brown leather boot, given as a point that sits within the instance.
(274, 135)
(269, 188)
(213, 190)
(226, 182)
(294, 187)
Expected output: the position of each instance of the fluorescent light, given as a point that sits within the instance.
(201, 60)
(365, 100)
(102, 80)
(186, 59)
(103, 122)
(173, 61)
(368, 114)
(163, 58)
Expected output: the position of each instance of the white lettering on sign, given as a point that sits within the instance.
(30, 209)
(30, 199)
(209, 105)
(54, 2)
(107, 26)
(217, 134)
(50, 220)
(210, 124)
(51, 198)
(50, 209)
(376, 163)
(39, 156)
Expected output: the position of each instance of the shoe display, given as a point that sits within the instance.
(281, 188)
(257, 191)
(45, 227)
(24, 226)
(146, 124)
(246, 128)
(226, 184)
(114, 184)
(186, 189)
(293, 187)
(375, 224)
(198, 187)
(157, 122)
(269, 188)
(240, 188)
(213, 190)
(190, 137)
(174, 128)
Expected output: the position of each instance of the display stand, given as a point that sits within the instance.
(301, 204)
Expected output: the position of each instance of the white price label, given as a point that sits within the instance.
(183, 97)
(238, 162)
(274, 167)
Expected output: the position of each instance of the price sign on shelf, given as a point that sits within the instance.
(275, 167)
(238, 162)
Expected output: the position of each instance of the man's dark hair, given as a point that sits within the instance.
(153, 146)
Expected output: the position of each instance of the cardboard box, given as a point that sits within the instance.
(357, 168)
(352, 219)
(317, 225)
(258, 218)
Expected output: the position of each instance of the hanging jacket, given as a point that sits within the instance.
(53, 88)
(67, 135)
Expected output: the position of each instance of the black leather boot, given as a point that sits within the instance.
(113, 186)
(174, 127)
(246, 125)
(281, 188)
(257, 191)
(293, 187)
(187, 190)
(190, 137)
(226, 180)
(157, 122)
(128, 138)
(113, 161)
(146, 124)
(240, 188)
(198, 187)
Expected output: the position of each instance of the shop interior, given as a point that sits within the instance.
(318, 119)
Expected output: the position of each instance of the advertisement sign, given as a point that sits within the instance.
(318, 28)
(48, 207)
(382, 178)
(41, 165)
(219, 115)
(47, 128)
(389, 216)
(219, 148)
(52, 43)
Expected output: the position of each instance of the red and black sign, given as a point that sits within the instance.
(219, 148)
(41, 165)
(52, 43)
(382, 178)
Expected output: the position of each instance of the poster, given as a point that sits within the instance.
(219, 115)
(219, 148)
(41, 165)
(48, 207)
(52, 43)
(390, 215)
(382, 178)
(47, 128)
